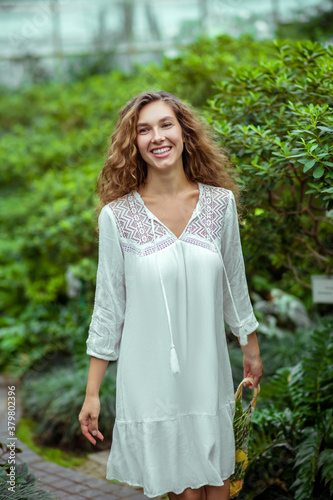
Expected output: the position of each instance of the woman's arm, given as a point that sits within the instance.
(252, 363)
(105, 329)
(89, 413)
(237, 308)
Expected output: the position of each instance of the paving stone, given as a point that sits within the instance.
(43, 465)
(126, 492)
(40, 474)
(53, 480)
(68, 474)
(115, 488)
(106, 496)
(30, 458)
(80, 477)
(108, 487)
(140, 496)
(62, 495)
(93, 482)
(48, 487)
(63, 483)
(77, 489)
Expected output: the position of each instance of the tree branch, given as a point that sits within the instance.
(297, 278)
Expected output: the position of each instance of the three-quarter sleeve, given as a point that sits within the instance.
(237, 307)
(107, 320)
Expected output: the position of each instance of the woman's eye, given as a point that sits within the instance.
(142, 130)
(167, 124)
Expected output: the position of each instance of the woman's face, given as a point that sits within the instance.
(159, 136)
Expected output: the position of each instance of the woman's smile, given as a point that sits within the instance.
(161, 152)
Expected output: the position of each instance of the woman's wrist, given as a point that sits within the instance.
(92, 394)
(251, 350)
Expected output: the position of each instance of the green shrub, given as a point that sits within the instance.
(42, 335)
(276, 120)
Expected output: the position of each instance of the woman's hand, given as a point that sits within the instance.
(253, 368)
(88, 418)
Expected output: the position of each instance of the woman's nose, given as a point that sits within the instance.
(157, 136)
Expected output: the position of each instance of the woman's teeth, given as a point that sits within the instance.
(160, 151)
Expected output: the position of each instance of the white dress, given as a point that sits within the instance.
(160, 306)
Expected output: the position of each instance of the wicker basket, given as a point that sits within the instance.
(242, 427)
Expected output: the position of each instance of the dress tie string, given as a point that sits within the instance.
(174, 363)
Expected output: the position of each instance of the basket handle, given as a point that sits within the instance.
(256, 390)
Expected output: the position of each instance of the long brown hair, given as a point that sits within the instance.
(203, 159)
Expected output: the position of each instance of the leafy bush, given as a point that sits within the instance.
(276, 120)
(292, 440)
(43, 335)
(55, 403)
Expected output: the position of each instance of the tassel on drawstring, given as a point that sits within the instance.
(174, 360)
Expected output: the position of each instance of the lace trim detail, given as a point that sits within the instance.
(135, 227)
(216, 202)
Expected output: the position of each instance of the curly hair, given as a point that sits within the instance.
(203, 159)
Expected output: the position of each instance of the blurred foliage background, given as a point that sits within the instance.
(270, 104)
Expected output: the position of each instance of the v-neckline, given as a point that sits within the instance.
(194, 213)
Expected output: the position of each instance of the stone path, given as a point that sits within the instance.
(62, 482)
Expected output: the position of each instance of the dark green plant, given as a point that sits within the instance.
(25, 486)
(54, 397)
(43, 334)
(277, 122)
(292, 440)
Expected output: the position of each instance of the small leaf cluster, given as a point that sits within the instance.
(25, 485)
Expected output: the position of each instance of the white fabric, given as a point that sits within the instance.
(172, 430)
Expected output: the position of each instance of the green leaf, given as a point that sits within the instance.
(318, 172)
(308, 164)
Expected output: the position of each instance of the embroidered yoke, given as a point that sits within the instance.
(159, 311)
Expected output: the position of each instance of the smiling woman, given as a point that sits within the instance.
(170, 271)
(161, 137)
